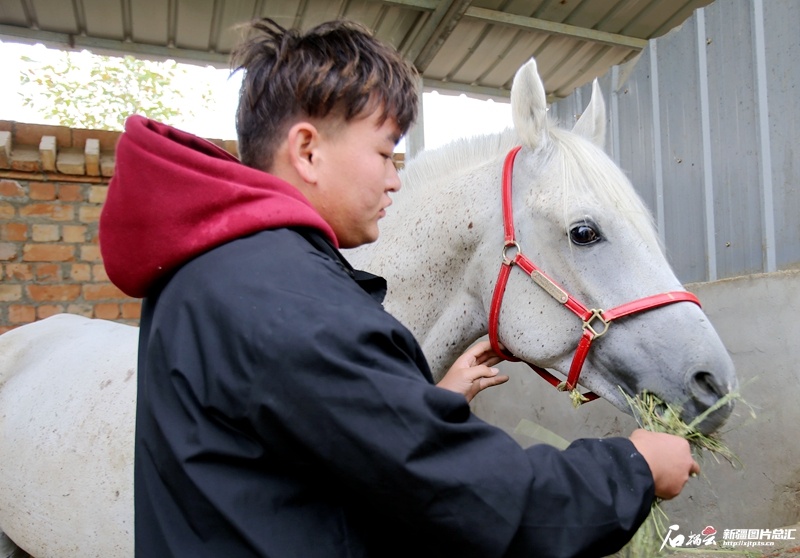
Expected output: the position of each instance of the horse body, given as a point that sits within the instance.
(67, 392)
(67, 404)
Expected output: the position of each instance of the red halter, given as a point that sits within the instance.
(595, 322)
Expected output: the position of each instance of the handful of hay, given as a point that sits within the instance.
(653, 414)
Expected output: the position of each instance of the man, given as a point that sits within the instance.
(281, 411)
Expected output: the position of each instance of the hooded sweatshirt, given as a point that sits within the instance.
(174, 196)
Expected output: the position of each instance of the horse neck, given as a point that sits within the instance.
(433, 260)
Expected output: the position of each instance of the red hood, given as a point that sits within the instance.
(174, 196)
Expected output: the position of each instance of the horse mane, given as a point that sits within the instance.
(588, 172)
(460, 155)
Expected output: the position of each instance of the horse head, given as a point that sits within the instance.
(580, 222)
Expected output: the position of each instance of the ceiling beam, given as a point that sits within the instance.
(427, 29)
(553, 28)
(528, 23)
(476, 91)
(112, 47)
(443, 30)
(424, 5)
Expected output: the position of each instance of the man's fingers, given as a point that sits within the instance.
(480, 371)
(493, 381)
(484, 354)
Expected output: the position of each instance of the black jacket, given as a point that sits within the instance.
(283, 413)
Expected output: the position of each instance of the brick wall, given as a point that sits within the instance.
(53, 182)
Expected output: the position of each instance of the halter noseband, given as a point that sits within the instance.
(595, 321)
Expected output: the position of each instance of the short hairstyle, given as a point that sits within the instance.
(336, 69)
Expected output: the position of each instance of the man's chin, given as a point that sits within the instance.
(349, 243)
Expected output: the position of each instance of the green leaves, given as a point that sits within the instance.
(82, 90)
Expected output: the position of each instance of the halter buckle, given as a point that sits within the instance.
(510, 244)
(596, 314)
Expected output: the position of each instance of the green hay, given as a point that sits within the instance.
(651, 413)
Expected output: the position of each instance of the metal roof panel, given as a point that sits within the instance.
(458, 45)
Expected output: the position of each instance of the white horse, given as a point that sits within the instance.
(579, 221)
(67, 389)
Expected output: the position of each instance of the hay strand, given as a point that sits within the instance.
(651, 413)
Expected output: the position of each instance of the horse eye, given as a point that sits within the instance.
(584, 234)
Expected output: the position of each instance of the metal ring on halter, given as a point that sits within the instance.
(510, 244)
(587, 324)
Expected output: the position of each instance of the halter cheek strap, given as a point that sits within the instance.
(595, 321)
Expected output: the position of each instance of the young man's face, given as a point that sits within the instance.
(356, 175)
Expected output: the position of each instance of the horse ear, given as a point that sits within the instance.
(529, 105)
(592, 123)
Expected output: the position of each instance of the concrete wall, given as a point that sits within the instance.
(757, 318)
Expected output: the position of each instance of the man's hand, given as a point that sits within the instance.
(669, 458)
(472, 372)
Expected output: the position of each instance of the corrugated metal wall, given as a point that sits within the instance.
(706, 123)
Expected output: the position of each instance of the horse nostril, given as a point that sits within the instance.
(705, 388)
(706, 392)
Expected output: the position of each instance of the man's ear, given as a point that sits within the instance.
(302, 142)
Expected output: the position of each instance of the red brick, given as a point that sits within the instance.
(42, 191)
(26, 159)
(62, 293)
(16, 232)
(6, 210)
(108, 139)
(90, 253)
(70, 192)
(48, 272)
(19, 272)
(8, 251)
(6, 329)
(31, 134)
(99, 274)
(106, 311)
(54, 211)
(9, 293)
(89, 214)
(45, 233)
(20, 314)
(74, 233)
(46, 310)
(48, 253)
(80, 272)
(98, 194)
(103, 291)
(84, 310)
(132, 310)
(11, 189)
